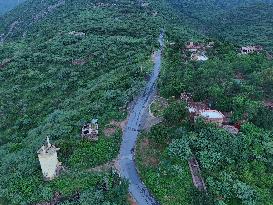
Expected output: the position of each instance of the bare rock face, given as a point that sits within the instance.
(48, 10)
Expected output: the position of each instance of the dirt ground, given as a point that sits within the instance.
(120, 125)
(108, 132)
(131, 200)
(148, 158)
(104, 167)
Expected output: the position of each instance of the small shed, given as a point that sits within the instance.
(91, 130)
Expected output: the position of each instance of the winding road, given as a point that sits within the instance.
(126, 156)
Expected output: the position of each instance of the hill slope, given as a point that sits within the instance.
(63, 62)
(8, 5)
(238, 21)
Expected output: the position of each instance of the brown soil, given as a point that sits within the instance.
(104, 167)
(131, 200)
(108, 132)
(149, 160)
(120, 125)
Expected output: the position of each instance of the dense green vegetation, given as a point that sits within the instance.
(63, 63)
(8, 5)
(244, 22)
(228, 82)
(54, 79)
(236, 169)
(168, 179)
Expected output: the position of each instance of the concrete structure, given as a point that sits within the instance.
(213, 116)
(193, 47)
(91, 130)
(210, 44)
(50, 165)
(269, 104)
(199, 56)
(75, 33)
(197, 178)
(250, 49)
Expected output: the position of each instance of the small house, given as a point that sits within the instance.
(213, 116)
(199, 56)
(91, 130)
(269, 104)
(193, 47)
(250, 49)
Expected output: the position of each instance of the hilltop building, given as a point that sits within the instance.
(91, 130)
(193, 47)
(50, 165)
(201, 109)
(213, 116)
(199, 56)
(250, 49)
(198, 50)
(78, 34)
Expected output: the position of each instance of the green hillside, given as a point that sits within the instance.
(247, 25)
(8, 5)
(62, 64)
(238, 21)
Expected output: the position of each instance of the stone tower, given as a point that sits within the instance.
(49, 161)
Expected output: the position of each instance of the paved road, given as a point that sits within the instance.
(126, 156)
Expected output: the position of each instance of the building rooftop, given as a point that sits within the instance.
(212, 114)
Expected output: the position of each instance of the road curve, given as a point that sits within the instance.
(126, 156)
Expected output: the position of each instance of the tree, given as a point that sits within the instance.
(176, 113)
(180, 149)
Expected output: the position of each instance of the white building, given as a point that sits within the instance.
(251, 49)
(213, 116)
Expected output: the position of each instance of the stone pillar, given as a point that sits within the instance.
(48, 158)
